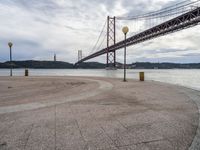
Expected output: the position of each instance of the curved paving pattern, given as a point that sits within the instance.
(111, 115)
(196, 98)
(103, 86)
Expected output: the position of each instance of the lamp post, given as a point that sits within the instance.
(125, 31)
(10, 44)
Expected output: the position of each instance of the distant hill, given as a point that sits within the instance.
(38, 64)
(147, 65)
(95, 65)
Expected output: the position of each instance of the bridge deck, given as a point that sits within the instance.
(181, 22)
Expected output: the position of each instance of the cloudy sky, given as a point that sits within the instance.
(40, 28)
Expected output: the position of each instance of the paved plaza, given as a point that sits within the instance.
(84, 113)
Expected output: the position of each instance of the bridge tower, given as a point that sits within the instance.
(80, 56)
(111, 40)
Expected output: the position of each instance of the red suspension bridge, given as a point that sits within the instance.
(178, 17)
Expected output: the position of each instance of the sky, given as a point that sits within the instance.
(40, 28)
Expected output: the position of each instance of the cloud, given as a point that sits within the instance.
(40, 28)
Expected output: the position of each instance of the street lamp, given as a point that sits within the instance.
(10, 44)
(125, 31)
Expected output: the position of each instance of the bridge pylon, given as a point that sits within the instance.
(111, 40)
(80, 56)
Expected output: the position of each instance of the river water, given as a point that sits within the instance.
(185, 77)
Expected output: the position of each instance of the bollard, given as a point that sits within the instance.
(26, 72)
(141, 76)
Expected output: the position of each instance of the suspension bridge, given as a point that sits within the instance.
(185, 14)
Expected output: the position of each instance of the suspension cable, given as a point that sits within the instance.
(102, 42)
(169, 9)
(98, 39)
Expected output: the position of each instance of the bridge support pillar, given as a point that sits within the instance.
(80, 55)
(111, 40)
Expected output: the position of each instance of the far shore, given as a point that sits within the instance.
(35, 64)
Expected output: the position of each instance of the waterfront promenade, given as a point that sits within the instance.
(85, 113)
